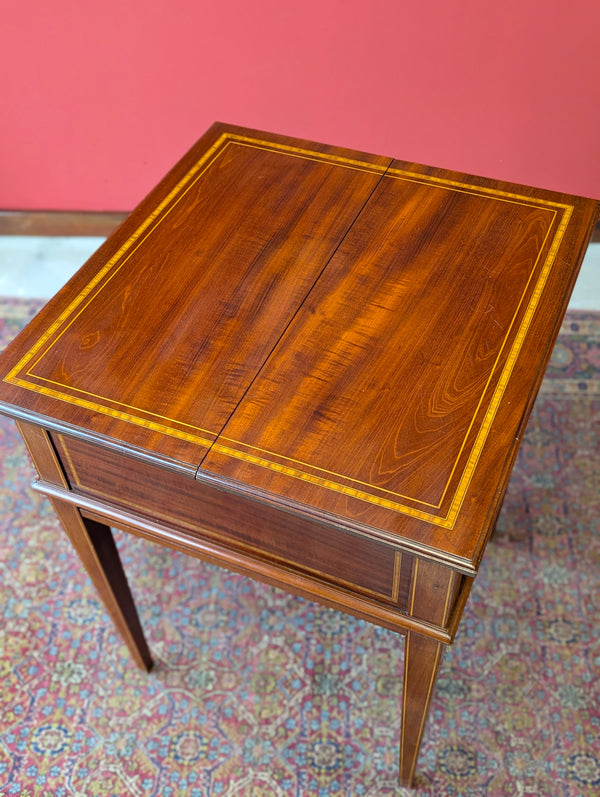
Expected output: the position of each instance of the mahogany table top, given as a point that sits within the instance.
(347, 336)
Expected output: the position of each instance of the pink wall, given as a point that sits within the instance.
(100, 98)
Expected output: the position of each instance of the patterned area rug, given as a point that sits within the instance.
(259, 694)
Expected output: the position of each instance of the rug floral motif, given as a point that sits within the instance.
(257, 693)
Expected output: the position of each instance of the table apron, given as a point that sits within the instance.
(304, 585)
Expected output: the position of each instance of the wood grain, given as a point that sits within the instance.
(311, 365)
(170, 330)
(394, 397)
(385, 378)
(298, 543)
(332, 330)
(257, 567)
(422, 659)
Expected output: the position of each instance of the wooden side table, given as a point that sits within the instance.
(309, 365)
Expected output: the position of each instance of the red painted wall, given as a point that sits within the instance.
(100, 98)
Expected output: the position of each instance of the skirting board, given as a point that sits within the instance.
(82, 222)
(59, 222)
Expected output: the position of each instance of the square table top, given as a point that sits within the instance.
(344, 335)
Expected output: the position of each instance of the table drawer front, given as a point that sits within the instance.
(349, 561)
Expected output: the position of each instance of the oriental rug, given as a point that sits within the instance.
(260, 694)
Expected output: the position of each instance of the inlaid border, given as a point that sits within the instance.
(122, 411)
(299, 470)
(22, 373)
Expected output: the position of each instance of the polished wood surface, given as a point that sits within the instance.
(362, 564)
(310, 365)
(422, 659)
(416, 304)
(219, 257)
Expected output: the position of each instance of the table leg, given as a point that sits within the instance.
(96, 547)
(422, 657)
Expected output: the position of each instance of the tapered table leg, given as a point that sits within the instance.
(96, 547)
(422, 657)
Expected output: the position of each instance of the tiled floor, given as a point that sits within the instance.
(32, 266)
